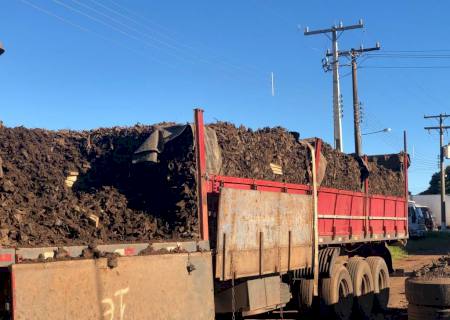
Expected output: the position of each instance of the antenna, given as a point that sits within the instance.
(273, 85)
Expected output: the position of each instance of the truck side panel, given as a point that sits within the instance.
(346, 216)
(262, 232)
(139, 287)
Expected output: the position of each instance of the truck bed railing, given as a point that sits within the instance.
(9, 256)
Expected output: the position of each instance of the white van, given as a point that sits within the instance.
(416, 221)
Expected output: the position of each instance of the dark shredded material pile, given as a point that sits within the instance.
(114, 200)
(384, 181)
(248, 154)
(343, 171)
(132, 202)
(437, 269)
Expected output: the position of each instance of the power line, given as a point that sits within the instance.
(418, 158)
(406, 67)
(227, 73)
(84, 29)
(124, 24)
(174, 44)
(246, 68)
(412, 56)
(109, 25)
(417, 51)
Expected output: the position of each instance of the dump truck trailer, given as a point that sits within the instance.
(263, 245)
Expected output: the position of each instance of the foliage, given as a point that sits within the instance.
(435, 183)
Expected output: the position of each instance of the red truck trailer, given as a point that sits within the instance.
(263, 245)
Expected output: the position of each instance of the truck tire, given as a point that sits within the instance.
(380, 276)
(305, 294)
(362, 281)
(433, 292)
(337, 293)
(416, 312)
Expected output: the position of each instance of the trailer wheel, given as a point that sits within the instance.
(337, 293)
(362, 281)
(380, 276)
(305, 294)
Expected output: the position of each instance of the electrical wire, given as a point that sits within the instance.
(245, 68)
(84, 29)
(405, 67)
(115, 28)
(165, 43)
(109, 25)
(417, 51)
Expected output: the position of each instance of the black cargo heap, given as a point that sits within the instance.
(81, 187)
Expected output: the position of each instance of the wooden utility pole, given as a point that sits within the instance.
(441, 129)
(356, 115)
(337, 112)
(354, 54)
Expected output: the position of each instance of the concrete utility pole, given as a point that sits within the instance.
(337, 112)
(441, 129)
(354, 54)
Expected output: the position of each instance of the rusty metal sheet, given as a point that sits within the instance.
(263, 232)
(140, 287)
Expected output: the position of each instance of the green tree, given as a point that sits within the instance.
(435, 183)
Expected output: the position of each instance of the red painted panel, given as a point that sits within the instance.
(343, 208)
(357, 225)
(390, 207)
(332, 202)
(377, 207)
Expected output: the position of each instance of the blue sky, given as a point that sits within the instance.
(88, 63)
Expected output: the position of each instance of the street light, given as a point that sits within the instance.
(2, 50)
(379, 131)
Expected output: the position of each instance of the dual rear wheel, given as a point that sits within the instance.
(337, 293)
(359, 288)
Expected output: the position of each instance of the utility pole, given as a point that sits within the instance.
(356, 118)
(354, 54)
(337, 116)
(441, 129)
